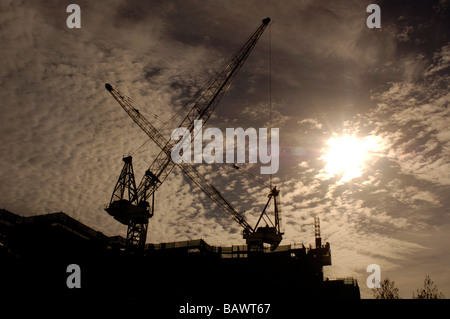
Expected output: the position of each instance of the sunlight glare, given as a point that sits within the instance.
(346, 155)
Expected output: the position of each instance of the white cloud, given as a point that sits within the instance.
(441, 61)
(313, 122)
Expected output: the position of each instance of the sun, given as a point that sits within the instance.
(346, 156)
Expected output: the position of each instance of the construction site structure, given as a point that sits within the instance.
(36, 251)
(317, 232)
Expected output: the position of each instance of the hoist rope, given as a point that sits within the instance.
(270, 99)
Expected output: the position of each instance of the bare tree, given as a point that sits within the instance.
(387, 290)
(429, 291)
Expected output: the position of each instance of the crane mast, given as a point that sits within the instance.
(135, 210)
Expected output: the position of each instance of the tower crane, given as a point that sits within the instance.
(129, 205)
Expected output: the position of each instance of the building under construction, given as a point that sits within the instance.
(36, 251)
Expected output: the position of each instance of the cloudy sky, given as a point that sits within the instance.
(363, 117)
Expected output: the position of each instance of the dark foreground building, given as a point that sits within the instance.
(36, 251)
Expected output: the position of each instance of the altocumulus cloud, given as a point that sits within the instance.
(63, 136)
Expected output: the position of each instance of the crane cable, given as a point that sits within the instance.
(145, 109)
(173, 117)
(270, 99)
(256, 178)
(154, 115)
(165, 123)
(171, 120)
